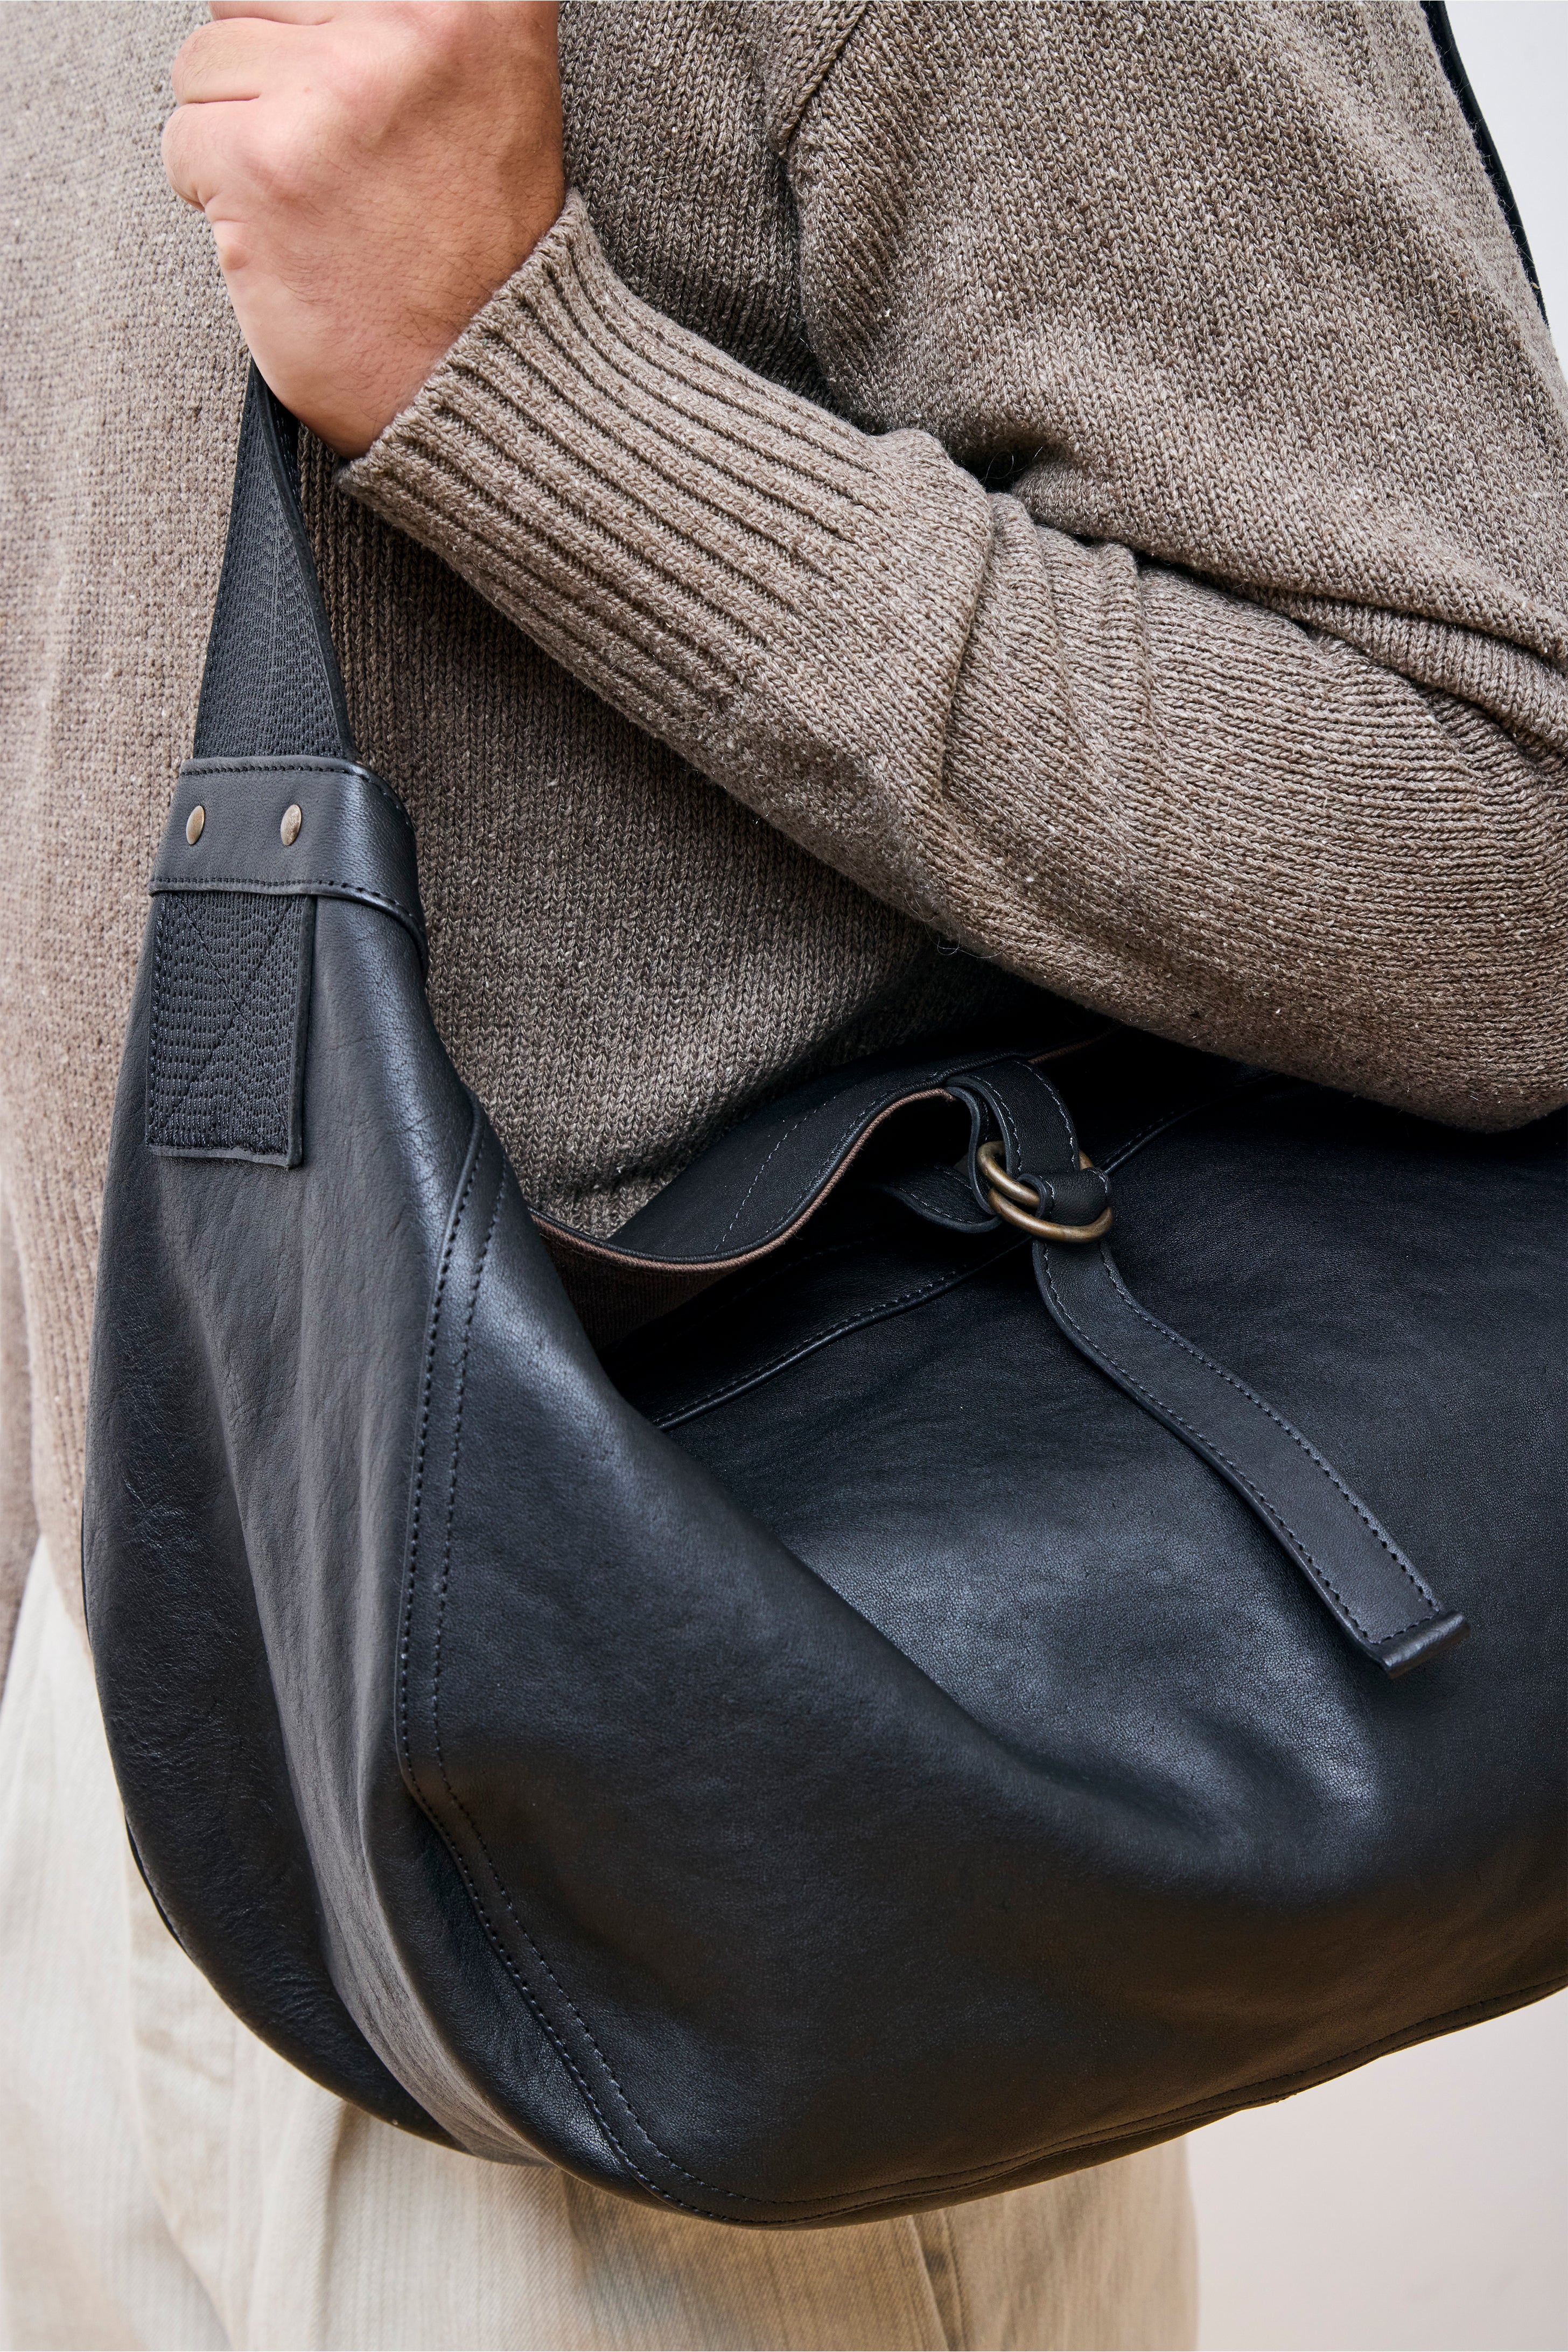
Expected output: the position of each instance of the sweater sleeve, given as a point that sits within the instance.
(1238, 715)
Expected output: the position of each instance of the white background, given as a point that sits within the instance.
(1423, 2201)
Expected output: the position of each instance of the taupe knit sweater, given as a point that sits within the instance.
(1086, 483)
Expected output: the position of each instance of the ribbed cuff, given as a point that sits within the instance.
(656, 516)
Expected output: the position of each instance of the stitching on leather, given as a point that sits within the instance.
(1308, 1448)
(452, 1487)
(796, 1122)
(1269, 1509)
(562, 2052)
(1119, 1151)
(1059, 1110)
(940, 1073)
(417, 1501)
(818, 1340)
(1189, 2115)
(1173, 1338)
(711, 1305)
(151, 1020)
(242, 1005)
(297, 885)
(349, 770)
(739, 2196)
(476, 1147)
(460, 1394)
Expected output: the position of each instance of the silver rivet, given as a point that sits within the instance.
(193, 823)
(293, 818)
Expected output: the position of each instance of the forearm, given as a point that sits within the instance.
(1159, 799)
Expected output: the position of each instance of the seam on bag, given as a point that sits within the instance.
(809, 1344)
(475, 1152)
(1168, 2121)
(741, 1381)
(456, 1801)
(476, 1149)
(297, 885)
(452, 1489)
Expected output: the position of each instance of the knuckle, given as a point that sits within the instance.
(177, 150)
(191, 61)
(435, 26)
(283, 166)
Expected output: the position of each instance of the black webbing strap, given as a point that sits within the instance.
(271, 688)
(272, 814)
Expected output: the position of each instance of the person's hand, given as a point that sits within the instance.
(372, 170)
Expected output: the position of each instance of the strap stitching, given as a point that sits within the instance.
(1270, 1510)
(1434, 1607)
(798, 1121)
(942, 1073)
(297, 885)
(1318, 1460)
(241, 1005)
(349, 770)
(820, 1339)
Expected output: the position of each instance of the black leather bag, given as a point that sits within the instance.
(893, 1719)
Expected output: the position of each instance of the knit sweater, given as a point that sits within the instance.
(965, 502)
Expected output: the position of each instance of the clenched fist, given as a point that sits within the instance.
(372, 170)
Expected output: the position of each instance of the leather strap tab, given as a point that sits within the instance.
(1353, 1564)
(291, 828)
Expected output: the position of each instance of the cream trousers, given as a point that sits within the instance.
(166, 2181)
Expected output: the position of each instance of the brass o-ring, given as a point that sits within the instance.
(1006, 1195)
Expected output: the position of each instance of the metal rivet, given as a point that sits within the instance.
(293, 818)
(193, 823)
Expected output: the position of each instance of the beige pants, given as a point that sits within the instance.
(166, 2181)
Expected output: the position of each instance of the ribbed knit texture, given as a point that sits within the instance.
(1086, 484)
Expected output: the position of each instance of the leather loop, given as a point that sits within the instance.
(292, 827)
(1352, 1563)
